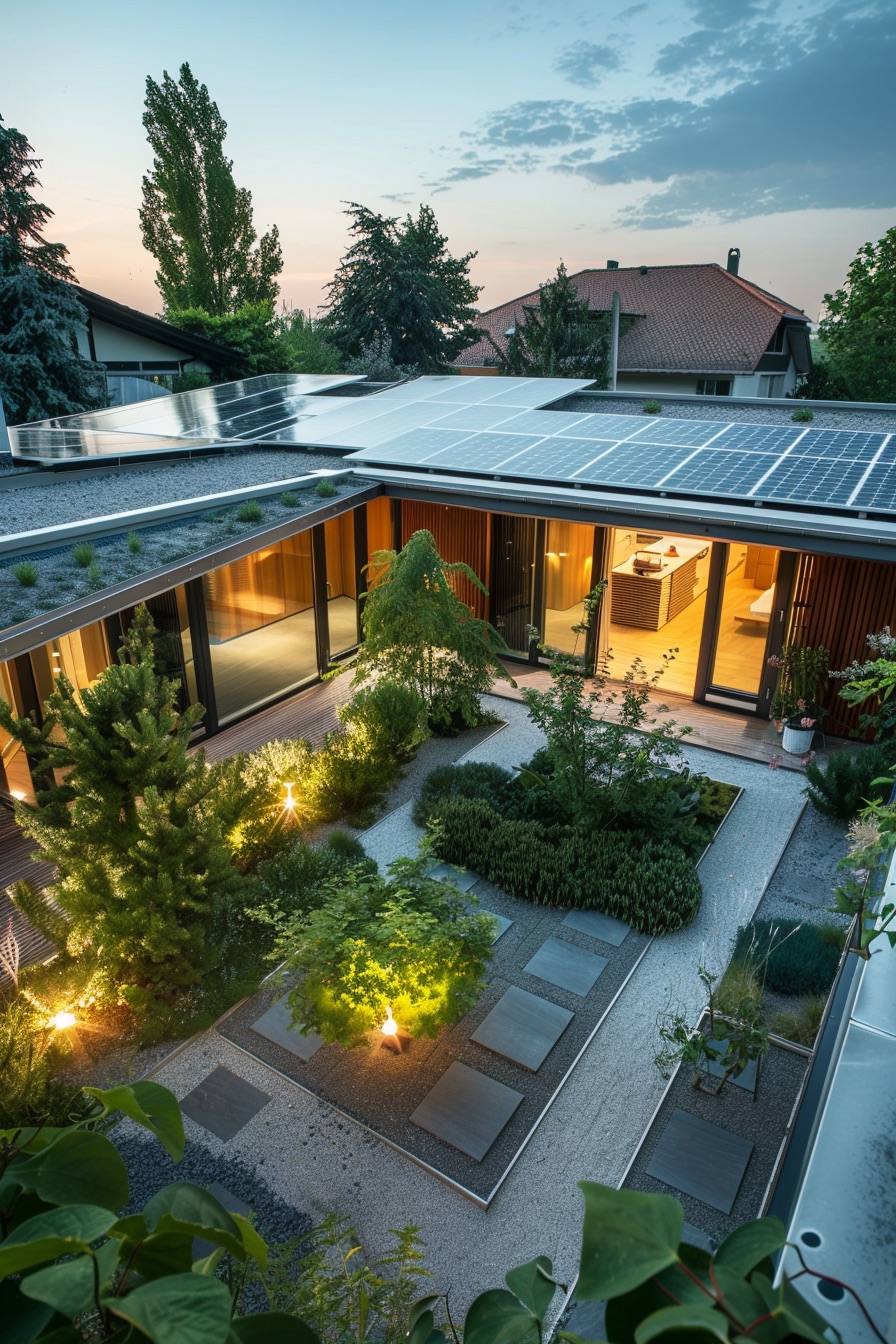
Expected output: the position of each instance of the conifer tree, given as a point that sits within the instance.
(144, 872)
(559, 337)
(41, 371)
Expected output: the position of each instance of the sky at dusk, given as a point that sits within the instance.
(652, 133)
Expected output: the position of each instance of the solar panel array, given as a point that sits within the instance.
(781, 464)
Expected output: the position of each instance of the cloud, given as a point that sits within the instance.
(586, 63)
(801, 122)
(399, 197)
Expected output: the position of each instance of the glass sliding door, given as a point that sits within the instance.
(746, 611)
(569, 557)
(342, 583)
(511, 579)
(15, 775)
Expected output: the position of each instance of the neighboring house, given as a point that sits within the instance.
(698, 329)
(142, 354)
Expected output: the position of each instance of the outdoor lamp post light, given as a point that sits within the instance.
(62, 1021)
(393, 1039)
(290, 803)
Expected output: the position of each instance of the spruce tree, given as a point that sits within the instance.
(559, 337)
(41, 371)
(145, 878)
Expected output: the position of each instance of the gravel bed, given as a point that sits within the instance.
(99, 492)
(804, 881)
(60, 580)
(721, 409)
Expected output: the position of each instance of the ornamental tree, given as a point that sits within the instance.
(406, 943)
(418, 632)
(859, 326)
(557, 337)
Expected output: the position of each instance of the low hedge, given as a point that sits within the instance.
(804, 957)
(473, 779)
(651, 885)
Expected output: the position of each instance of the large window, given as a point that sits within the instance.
(748, 598)
(569, 556)
(261, 625)
(15, 776)
(342, 583)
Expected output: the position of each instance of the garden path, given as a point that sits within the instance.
(318, 1160)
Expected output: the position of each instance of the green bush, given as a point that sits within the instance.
(26, 573)
(473, 779)
(651, 407)
(135, 545)
(32, 1059)
(840, 788)
(802, 415)
(388, 719)
(325, 489)
(294, 881)
(648, 883)
(84, 554)
(289, 499)
(250, 512)
(803, 959)
(348, 781)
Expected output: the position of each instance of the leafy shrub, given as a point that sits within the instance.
(802, 415)
(347, 846)
(651, 407)
(289, 499)
(294, 881)
(325, 490)
(803, 959)
(250, 512)
(473, 779)
(32, 1056)
(648, 883)
(800, 1024)
(347, 780)
(388, 719)
(251, 795)
(84, 554)
(26, 573)
(841, 787)
(135, 544)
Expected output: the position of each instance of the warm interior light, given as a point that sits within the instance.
(390, 1026)
(17, 793)
(290, 801)
(62, 1021)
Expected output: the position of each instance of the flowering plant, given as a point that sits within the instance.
(805, 716)
(802, 676)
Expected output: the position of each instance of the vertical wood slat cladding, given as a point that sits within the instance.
(460, 534)
(837, 602)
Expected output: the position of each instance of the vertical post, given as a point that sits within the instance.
(5, 446)
(202, 657)
(538, 587)
(395, 512)
(359, 523)
(712, 618)
(319, 580)
(614, 344)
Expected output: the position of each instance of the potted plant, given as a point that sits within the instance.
(802, 677)
(799, 728)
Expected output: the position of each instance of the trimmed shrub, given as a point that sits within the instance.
(295, 880)
(389, 720)
(802, 415)
(648, 883)
(26, 573)
(651, 407)
(346, 780)
(803, 959)
(474, 779)
(325, 490)
(289, 499)
(250, 512)
(840, 788)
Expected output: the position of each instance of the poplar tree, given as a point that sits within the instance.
(145, 876)
(195, 220)
(41, 371)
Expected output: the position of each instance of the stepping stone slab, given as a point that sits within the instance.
(467, 1109)
(746, 1080)
(223, 1103)
(701, 1159)
(502, 922)
(597, 925)
(523, 1027)
(566, 966)
(276, 1025)
(446, 872)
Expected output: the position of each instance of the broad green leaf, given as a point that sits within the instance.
(496, 1317)
(81, 1167)
(69, 1288)
(747, 1246)
(23, 1320)
(132, 1228)
(572, 1338)
(63, 1231)
(189, 1203)
(209, 1263)
(152, 1106)
(424, 1331)
(32, 1139)
(420, 1307)
(790, 1308)
(672, 1285)
(533, 1284)
(181, 1309)
(692, 1324)
(627, 1238)
(271, 1327)
(255, 1245)
(741, 1299)
(161, 1253)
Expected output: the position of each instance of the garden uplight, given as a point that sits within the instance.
(62, 1021)
(390, 1026)
(290, 803)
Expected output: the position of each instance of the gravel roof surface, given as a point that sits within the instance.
(724, 410)
(59, 499)
(320, 1162)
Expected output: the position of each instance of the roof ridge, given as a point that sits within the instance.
(765, 294)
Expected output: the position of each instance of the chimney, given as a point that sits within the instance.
(612, 265)
(733, 260)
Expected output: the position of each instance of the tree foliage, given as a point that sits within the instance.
(41, 372)
(859, 325)
(418, 632)
(288, 342)
(405, 943)
(559, 337)
(195, 220)
(129, 820)
(399, 283)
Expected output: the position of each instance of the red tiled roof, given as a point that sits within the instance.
(694, 319)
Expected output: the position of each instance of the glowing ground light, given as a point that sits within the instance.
(62, 1021)
(290, 802)
(390, 1026)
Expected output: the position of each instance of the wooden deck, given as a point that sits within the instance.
(312, 714)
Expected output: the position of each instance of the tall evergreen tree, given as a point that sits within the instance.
(41, 371)
(196, 221)
(398, 283)
(559, 337)
(858, 330)
(129, 819)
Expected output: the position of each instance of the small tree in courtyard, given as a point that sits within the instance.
(129, 820)
(419, 632)
(405, 945)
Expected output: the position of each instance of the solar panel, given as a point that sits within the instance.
(556, 459)
(534, 391)
(878, 493)
(758, 438)
(692, 432)
(717, 472)
(543, 423)
(808, 480)
(838, 444)
(469, 391)
(416, 445)
(475, 418)
(614, 427)
(642, 465)
(485, 452)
